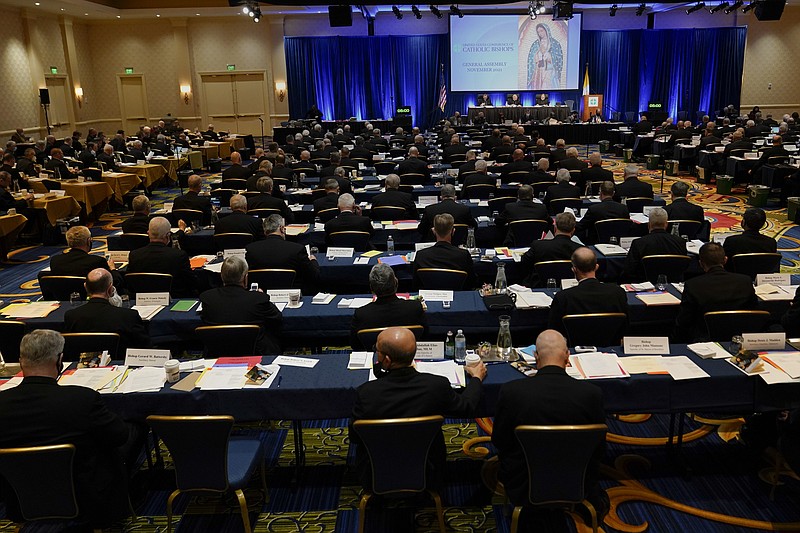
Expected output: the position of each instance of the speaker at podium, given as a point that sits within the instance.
(591, 103)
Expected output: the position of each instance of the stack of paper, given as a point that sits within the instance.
(596, 365)
(353, 303)
(448, 369)
(709, 350)
(144, 379)
(533, 299)
(148, 311)
(223, 378)
(29, 310)
(788, 362)
(658, 298)
(638, 287)
(642, 364)
(323, 298)
(611, 249)
(681, 367)
(360, 361)
(91, 378)
(290, 360)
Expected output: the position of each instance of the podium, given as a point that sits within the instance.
(592, 102)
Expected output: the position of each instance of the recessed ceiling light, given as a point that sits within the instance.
(197, 14)
(62, 9)
(158, 16)
(119, 16)
(86, 14)
(37, 4)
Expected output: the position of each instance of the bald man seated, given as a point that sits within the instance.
(194, 200)
(236, 170)
(400, 391)
(239, 221)
(518, 165)
(160, 257)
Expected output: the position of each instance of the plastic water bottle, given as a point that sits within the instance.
(460, 347)
(449, 346)
(588, 191)
(675, 230)
(471, 246)
(500, 282)
(390, 245)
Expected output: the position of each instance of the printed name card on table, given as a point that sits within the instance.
(430, 350)
(436, 296)
(339, 252)
(146, 357)
(773, 279)
(764, 341)
(152, 298)
(234, 252)
(118, 256)
(427, 200)
(646, 345)
(281, 295)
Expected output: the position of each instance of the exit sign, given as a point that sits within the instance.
(231, 67)
(128, 70)
(53, 70)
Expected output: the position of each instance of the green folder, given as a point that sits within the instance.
(183, 305)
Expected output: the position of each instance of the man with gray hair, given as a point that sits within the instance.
(658, 242)
(234, 304)
(239, 221)
(594, 173)
(541, 173)
(140, 220)
(276, 252)
(523, 209)
(40, 412)
(479, 177)
(562, 189)
(448, 204)
(349, 219)
(107, 158)
(559, 248)
(77, 261)
(395, 198)
(264, 170)
(387, 309)
(266, 200)
(160, 257)
(571, 161)
(632, 187)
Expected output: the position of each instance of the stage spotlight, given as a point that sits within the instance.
(736, 5)
(748, 7)
(455, 10)
(696, 7)
(257, 17)
(397, 13)
(719, 7)
(415, 10)
(539, 7)
(531, 10)
(246, 10)
(436, 12)
(251, 13)
(640, 9)
(612, 11)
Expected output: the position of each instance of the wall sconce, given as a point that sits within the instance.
(186, 89)
(79, 95)
(280, 86)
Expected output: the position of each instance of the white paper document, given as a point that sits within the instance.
(596, 365)
(223, 378)
(533, 299)
(642, 364)
(145, 379)
(611, 249)
(91, 378)
(681, 367)
(448, 369)
(709, 350)
(148, 311)
(788, 362)
(287, 360)
(360, 361)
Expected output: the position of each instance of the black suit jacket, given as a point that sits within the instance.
(75, 263)
(445, 255)
(775, 151)
(573, 163)
(239, 222)
(40, 412)
(108, 161)
(59, 168)
(329, 201)
(633, 188)
(738, 145)
(99, 316)
(348, 221)
(561, 190)
(682, 209)
(517, 166)
(233, 304)
(750, 241)
(589, 296)
(25, 166)
(550, 397)
(557, 155)
(267, 201)
(604, 210)
(396, 198)
(359, 152)
(160, 258)
(460, 212)
(558, 248)
(275, 252)
(413, 165)
(503, 149)
(384, 312)
(236, 172)
(136, 224)
(593, 173)
(643, 127)
(454, 150)
(657, 242)
(192, 200)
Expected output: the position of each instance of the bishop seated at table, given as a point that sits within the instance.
(444, 255)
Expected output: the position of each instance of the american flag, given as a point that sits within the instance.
(442, 90)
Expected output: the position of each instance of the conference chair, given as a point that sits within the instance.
(722, 325)
(756, 263)
(224, 196)
(460, 233)
(208, 459)
(557, 205)
(575, 176)
(132, 241)
(739, 152)
(358, 160)
(482, 191)
(277, 182)
(570, 104)
(518, 176)
(670, 265)
(272, 278)
(328, 214)
(540, 188)
(137, 282)
(41, 478)
(228, 340)
(368, 337)
(595, 329)
(381, 440)
(441, 278)
(523, 232)
(59, 288)
(237, 184)
(250, 194)
(778, 160)
(232, 241)
(557, 270)
(413, 178)
(384, 167)
(557, 458)
(321, 161)
(613, 227)
(690, 228)
(263, 212)
(405, 187)
(11, 333)
(503, 158)
(397, 152)
(637, 204)
(499, 204)
(358, 240)
(187, 215)
(387, 212)
(78, 343)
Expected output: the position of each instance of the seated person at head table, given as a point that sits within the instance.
(106, 157)
(314, 113)
(387, 309)
(194, 200)
(596, 117)
(401, 392)
(513, 99)
(274, 251)
(266, 200)
(140, 221)
(443, 255)
(479, 119)
(457, 119)
(483, 100)
(594, 173)
(562, 189)
(543, 99)
(716, 290)
(680, 208)
(549, 398)
(590, 295)
(234, 304)
(58, 166)
(394, 197)
(606, 209)
(658, 242)
(751, 240)
(523, 209)
(559, 248)
(160, 257)
(349, 218)
(632, 186)
(643, 126)
(239, 221)
(236, 170)
(448, 204)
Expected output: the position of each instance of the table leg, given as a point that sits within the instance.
(299, 449)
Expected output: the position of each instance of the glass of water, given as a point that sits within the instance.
(661, 282)
(74, 298)
(552, 284)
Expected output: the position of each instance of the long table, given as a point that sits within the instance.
(516, 112)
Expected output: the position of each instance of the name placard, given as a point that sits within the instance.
(764, 341)
(436, 296)
(626, 242)
(146, 357)
(646, 345)
(568, 283)
(152, 298)
(430, 350)
(427, 200)
(339, 252)
(276, 295)
(774, 279)
(234, 252)
(118, 256)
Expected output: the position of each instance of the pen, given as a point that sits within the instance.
(280, 378)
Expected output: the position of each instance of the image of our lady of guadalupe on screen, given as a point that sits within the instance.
(546, 44)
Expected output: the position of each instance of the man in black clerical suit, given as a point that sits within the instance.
(335, 161)
(457, 120)
(419, 144)
(559, 248)
(455, 150)
(657, 242)
(590, 295)
(58, 166)
(331, 198)
(479, 177)
(541, 174)
(606, 209)
(387, 309)
(137, 151)
(360, 154)
(448, 204)
(236, 170)
(266, 200)
(234, 304)
(401, 392)
(106, 157)
(562, 188)
(7, 200)
(98, 315)
(492, 141)
(340, 175)
(505, 148)
(444, 255)
(239, 221)
(680, 208)
(280, 170)
(682, 134)
(264, 171)
(595, 172)
(571, 161)
(738, 143)
(549, 398)
(9, 165)
(314, 113)
(140, 221)
(523, 209)
(210, 134)
(394, 197)
(643, 126)
(40, 412)
(25, 164)
(88, 157)
(716, 290)
(559, 153)
(413, 164)
(276, 252)
(193, 200)
(777, 150)
(349, 218)
(77, 261)
(709, 136)
(751, 240)
(513, 99)
(162, 146)
(118, 142)
(160, 257)
(483, 100)
(518, 164)
(632, 186)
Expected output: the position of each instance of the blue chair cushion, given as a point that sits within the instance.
(244, 455)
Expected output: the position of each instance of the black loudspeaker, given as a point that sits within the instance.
(651, 21)
(340, 16)
(44, 96)
(770, 9)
